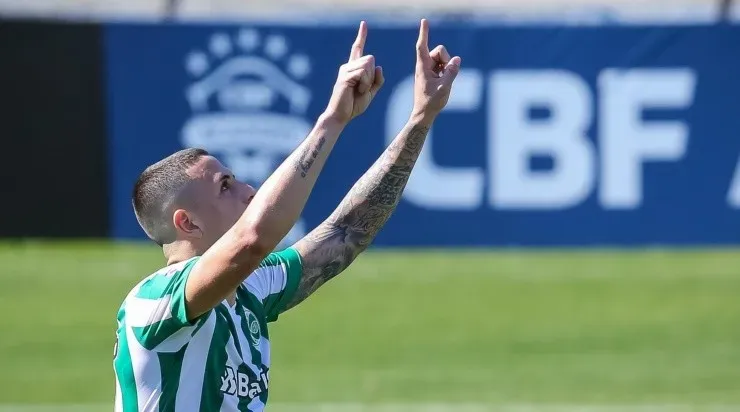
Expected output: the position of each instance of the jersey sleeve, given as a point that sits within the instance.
(156, 311)
(275, 281)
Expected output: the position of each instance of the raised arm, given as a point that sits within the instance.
(280, 200)
(350, 229)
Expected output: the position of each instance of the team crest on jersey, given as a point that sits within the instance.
(254, 328)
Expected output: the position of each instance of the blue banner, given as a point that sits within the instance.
(552, 136)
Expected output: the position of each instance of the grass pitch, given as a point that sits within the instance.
(432, 327)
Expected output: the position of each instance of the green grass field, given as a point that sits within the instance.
(488, 328)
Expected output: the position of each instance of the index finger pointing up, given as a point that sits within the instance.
(359, 44)
(422, 44)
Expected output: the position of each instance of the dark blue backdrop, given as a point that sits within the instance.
(553, 136)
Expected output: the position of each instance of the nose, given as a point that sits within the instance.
(247, 193)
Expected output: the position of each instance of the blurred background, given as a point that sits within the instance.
(567, 241)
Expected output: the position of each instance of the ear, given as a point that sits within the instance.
(184, 223)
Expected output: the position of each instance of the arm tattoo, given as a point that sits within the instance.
(308, 156)
(350, 229)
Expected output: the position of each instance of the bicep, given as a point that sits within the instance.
(218, 273)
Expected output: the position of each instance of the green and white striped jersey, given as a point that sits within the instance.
(218, 362)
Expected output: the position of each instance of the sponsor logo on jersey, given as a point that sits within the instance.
(236, 383)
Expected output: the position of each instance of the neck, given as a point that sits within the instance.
(179, 251)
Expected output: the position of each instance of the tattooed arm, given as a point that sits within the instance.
(333, 245)
(277, 205)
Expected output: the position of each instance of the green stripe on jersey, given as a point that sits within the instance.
(252, 304)
(161, 283)
(156, 287)
(232, 327)
(247, 300)
(151, 336)
(165, 288)
(253, 337)
(246, 390)
(273, 259)
(170, 367)
(276, 302)
(125, 372)
(215, 365)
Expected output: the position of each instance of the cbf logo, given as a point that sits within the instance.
(237, 383)
(248, 104)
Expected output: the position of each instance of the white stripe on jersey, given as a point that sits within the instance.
(190, 389)
(267, 281)
(146, 373)
(144, 312)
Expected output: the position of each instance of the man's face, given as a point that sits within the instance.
(215, 200)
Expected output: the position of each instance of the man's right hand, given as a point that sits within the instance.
(357, 83)
(435, 72)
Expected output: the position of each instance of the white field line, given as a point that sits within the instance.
(412, 407)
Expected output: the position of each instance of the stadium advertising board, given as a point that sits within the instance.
(553, 136)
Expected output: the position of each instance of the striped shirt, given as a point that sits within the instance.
(217, 362)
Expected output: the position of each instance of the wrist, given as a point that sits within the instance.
(332, 119)
(422, 119)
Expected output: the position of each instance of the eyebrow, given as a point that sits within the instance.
(224, 176)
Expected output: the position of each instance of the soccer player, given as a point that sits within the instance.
(193, 335)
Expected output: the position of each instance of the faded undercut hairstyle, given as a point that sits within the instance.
(156, 189)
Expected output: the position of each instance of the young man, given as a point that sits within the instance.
(193, 336)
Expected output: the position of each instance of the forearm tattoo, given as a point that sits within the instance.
(350, 229)
(308, 156)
